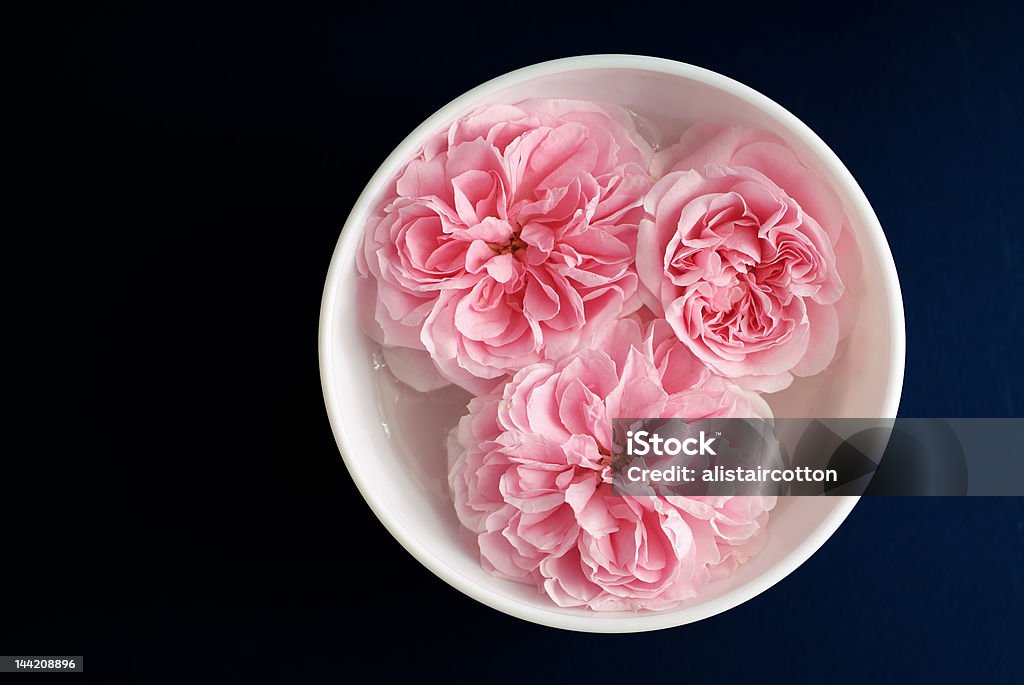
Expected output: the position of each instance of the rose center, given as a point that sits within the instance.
(514, 244)
(607, 459)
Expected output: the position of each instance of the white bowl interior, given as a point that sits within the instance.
(392, 439)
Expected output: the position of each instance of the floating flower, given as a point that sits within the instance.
(741, 252)
(508, 240)
(530, 473)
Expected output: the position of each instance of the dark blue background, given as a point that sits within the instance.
(189, 171)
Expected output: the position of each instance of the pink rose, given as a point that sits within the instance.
(742, 251)
(508, 240)
(530, 475)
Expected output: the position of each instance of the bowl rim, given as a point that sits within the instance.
(340, 263)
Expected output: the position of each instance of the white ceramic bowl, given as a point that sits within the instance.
(392, 441)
